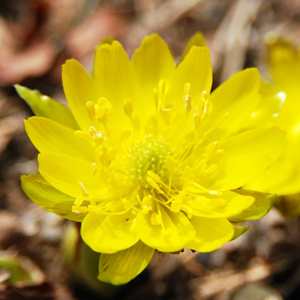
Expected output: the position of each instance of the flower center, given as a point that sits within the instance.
(149, 154)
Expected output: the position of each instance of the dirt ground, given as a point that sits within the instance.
(36, 37)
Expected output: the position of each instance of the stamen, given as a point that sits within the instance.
(90, 107)
(154, 185)
(125, 134)
(83, 134)
(211, 169)
(82, 188)
(187, 97)
(211, 147)
(94, 169)
(127, 106)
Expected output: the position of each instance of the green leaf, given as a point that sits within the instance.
(263, 203)
(196, 40)
(44, 106)
(121, 267)
(239, 230)
(289, 205)
(49, 198)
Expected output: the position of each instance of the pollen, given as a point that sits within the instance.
(148, 154)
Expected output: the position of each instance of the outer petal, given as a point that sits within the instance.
(238, 170)
(282, 177)
(51, 137)
(194, 69)
(152, 62)
(211, 234)
(44, 106)
(109, 234)
(266, 141)
(179, 231)
(115, 79)
(49, 198)
(268, 110)
(123, 266)
(233, 102)
(227, 205)
(64, 173)
(79, 88)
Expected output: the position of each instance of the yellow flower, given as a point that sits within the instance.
(152, 160)
(282, 96)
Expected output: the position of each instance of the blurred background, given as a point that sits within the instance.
(36, 38)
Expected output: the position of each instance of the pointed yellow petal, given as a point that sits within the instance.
(79, 88)
(51, 137)
(267, 141)
(121, 267)
(115, 79)
(64, 173)
(211, 234)
(227, 205)
(233, 102)
(176, 232)
(109, 233)
(282, 177)
(46, 196)
(239, 170)
(196, 40)
(261, 206)
(268, 110)
(44, 106)
(196, 70)
(152, 62)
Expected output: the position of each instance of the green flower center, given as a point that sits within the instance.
(149, 154)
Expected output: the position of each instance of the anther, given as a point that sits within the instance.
(127, 106)
(83, 134)
(211, 169)
(90, 107)
(125, 134)
(111, 154)
(208, 106)
(211, 147)
(155, 219)
(154, 185)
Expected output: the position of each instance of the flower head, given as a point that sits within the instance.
(154, 159)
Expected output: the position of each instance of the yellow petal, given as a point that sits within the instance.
(176, 232)
(196, 40)
(225, 206)
(268, 110)
(233, 102)
(79, 88)
(46, 196)
(267, 141)
(239, 170)
(64, 173)
(109, 233)
(46, 107)
(211, 234)
(194, 69)
(152, 62)
(51, 137)
(282, 177)
(121, 267)
(115, 79)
